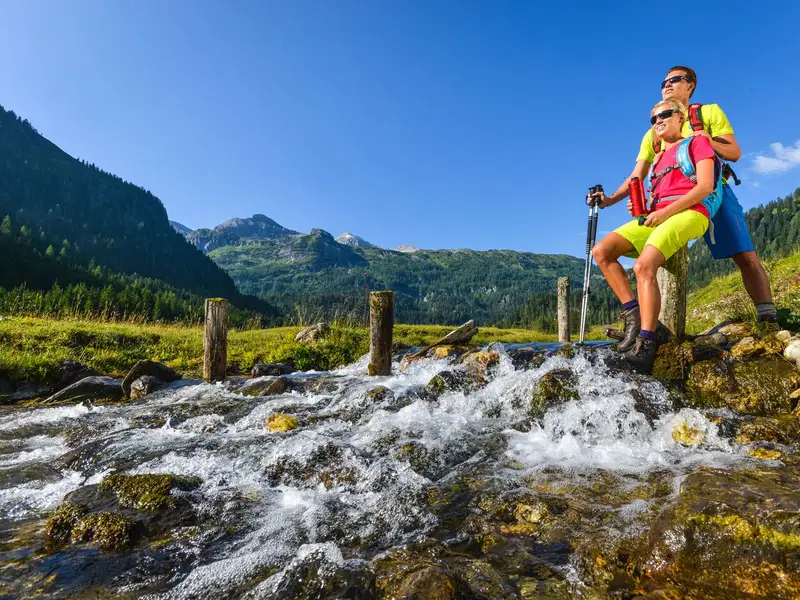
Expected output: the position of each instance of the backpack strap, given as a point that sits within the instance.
(684, 160)
(696, 117)
(656, 145)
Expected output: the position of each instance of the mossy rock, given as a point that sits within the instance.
(421, 459)
(686, 435)
(751, 347)
(555, 387)
(759, 387)
(379, 394)
(59, 526)
(280, 422)
(781, 429)
(445, 381)
(147, 492)
(673, 359)
(111, 530)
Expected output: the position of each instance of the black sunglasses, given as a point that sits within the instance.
(663, 115)
(673, 79)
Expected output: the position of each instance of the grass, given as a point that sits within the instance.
(32, 348)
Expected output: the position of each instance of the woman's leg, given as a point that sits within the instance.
(646, 268)
(606, 253)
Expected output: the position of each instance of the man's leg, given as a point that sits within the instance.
(756, 282)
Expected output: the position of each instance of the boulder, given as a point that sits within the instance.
(445, 381)
(30, 391)
(148, 367)
(276, 387)
(262, 369)
(673, 359)
(555, 387)
(97, 387)
(750, 347)
(733, 331)
(758, 387)
(714, 339)
(479, 365)
(70, 371)
(780, 429)
(792, 351)
(312, 333)
(784, 335)
(144, 385)
(379, 394)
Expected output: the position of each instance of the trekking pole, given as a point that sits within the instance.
(591, 236)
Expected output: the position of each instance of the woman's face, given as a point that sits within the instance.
(666, 121)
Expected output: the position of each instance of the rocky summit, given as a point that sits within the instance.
(470, 472)
(348, 239)
(233, 231)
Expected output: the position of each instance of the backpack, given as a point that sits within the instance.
(684, 162)
(696, 123)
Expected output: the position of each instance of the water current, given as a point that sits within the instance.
(347, 487)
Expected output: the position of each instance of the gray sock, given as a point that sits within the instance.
(766, 311)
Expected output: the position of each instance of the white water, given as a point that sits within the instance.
(284, 511)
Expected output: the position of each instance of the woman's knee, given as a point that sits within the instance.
(645, 269)
(605, 252)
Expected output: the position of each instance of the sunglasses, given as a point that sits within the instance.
(663, 115)
(673, 80)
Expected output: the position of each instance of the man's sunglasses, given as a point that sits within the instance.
(663, 115)
(673, 80)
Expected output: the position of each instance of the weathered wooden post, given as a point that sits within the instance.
(381, 322)
(672, 283)
(215, 339)
(563, 309)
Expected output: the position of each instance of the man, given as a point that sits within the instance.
(728, 238)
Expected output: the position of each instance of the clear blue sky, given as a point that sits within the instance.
(432, 123)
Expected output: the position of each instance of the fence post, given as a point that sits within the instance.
(563, 309)
(381, 322)
(672, 283)
(215, 339)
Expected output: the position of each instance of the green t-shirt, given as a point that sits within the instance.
(714, 122)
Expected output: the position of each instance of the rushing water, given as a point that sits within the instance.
(336, 490)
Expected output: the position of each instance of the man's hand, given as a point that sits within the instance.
(657, 217)
(599, 198)
(702, 132)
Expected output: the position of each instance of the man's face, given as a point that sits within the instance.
(679, 90)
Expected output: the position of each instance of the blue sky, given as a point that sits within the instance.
(437, 124)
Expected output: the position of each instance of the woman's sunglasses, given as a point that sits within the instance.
(663, 115)
(673, 80)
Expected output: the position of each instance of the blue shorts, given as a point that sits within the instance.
(729, 228)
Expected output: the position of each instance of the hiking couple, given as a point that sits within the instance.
(690, 198)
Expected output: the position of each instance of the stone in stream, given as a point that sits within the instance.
(89, 388)
(751, 347)
(262, 369)
(70, 371)
(554, 388)
(144, 385)
(148, 367)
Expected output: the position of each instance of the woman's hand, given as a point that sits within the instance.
(657, 217)
(630, 206)
(599, 198)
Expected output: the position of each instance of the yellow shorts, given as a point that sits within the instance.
(669, 237)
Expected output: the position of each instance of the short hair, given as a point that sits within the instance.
(691, 76)
(674, 104)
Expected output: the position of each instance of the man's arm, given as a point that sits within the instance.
(720, 133)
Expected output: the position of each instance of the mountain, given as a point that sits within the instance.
(348, 239)
(65, 220)
(407, 249)
(315, 274)
(235, 231)
(180, 228)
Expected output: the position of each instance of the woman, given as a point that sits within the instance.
(678, 217)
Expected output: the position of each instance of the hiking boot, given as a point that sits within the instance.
(615, 334)
(633, 324)
(643, 355)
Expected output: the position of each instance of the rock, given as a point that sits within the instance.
(780, 429)
(784, 335)
(276, 387)
(7, 387)
(147, 492)
(380, 393)
(733, 330)
(144, 385)
(110, 530)
(714, 339)
(261, 369)
(750, 347)
(30, 391)
(758, 387)
(686, 435)
(459, 336)
(479, 365)
(70, 371)
(673, 359)
(764, 453)
(280, 422)
(445, 381)
(554, 388)
(432, 583)
(313, 333)
(148, 367)
(58, 528)
(792, 351)
(98, 387)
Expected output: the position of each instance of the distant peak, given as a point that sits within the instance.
(407, 248)
(349, 239)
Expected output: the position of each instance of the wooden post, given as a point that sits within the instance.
(381, 321)
(215, 339)
(563, 309)
(672, 283)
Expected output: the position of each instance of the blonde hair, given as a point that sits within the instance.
(675, 105)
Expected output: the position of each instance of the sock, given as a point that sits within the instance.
(766, 311)
(634, 304)
(648, 335)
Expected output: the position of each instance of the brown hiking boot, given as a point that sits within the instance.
(633, 324)
(643, 355)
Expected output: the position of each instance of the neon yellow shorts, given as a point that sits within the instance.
(669, 237)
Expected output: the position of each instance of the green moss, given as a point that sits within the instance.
(147, 492)
(745, 532)
(110, 530)
(555, 387)
(60, 524)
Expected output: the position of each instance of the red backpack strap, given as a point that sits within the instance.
(656, 145)
(696, 117)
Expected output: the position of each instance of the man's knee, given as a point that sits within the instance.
(747, 260)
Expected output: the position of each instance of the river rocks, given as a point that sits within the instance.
(262, 369)
(751, 347)
(554, 388)
(380, 394)
(313, 333)
(792, 351)
(781, 429)
(148, 367)
(109, 530)
(673, 359)
(686, 435)
(70, 371)
(758, 387)
(480, 365)
(445, 381)
(276, 387)
(147, 492)
(713, 339)
(280, 422)
(144, 385)
(89, 388)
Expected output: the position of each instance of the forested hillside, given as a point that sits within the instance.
(62, 219)
(775, 229)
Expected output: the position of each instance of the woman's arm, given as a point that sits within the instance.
(705, 185)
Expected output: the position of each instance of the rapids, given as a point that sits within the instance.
(349, 486)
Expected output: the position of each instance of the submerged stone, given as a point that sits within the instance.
(686, 435)
(59, 525)
(144, 385)
(280, 422)
(112, 531)
(446, 381)
(148, 367)
(148, 492)
(555, 387)
(88, 388)
(780, 429)
(380, 394)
